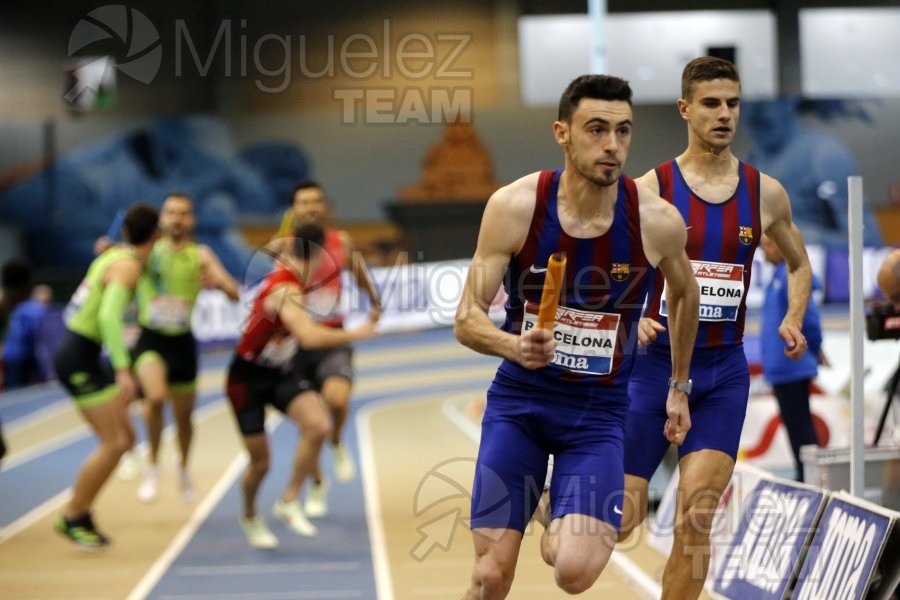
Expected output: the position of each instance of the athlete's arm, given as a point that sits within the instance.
(778, 225)
(214, 275)
(287, 302)
(504, 227)
(649, 328)
(664, 234)
(361, 275)
(102, 244)
(119, 281)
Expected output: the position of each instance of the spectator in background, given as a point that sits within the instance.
(790, 378)
(813, 166)
(20, 344)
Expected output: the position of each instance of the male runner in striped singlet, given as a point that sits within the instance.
(329, 371)
(278, 327)
(564, 391)
(165, 354)
(727, 205)
(94, 321)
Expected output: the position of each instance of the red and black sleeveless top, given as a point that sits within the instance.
(265, 341)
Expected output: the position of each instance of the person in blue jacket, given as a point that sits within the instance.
(20, 346)
(790, 378)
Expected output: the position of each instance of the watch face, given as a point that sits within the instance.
(681, 387)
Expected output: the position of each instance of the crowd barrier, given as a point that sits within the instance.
(774, 539)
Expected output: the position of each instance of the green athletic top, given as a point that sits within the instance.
(95, 309)
(168, 290)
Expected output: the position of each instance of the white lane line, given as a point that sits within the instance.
(452, 411)
(82, 431)
(187, 531)
(184, 535)
(35, 514)
(46, 447)
(61, 407)
(42, 510)
(384, 584)
(646, 587)
(40, 392)
(384, 588)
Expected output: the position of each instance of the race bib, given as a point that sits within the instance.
(721, 290)
(77, 300)
(277, 351)
(585, 340)
(322, 304)
(169, 312)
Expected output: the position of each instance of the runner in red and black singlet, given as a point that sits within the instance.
(277, 328)
(330, 371)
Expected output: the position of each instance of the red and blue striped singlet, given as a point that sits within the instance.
(606, 282)
(721, 241)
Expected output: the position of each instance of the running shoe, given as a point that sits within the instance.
(258, 533)
(188, 494)
(344, 468)
(82, 531)
(316, 504)
(149, 488)
(293, 516)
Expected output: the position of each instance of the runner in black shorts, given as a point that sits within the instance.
(260, 374)
(324, 289)
(165, 356)
(94, 321)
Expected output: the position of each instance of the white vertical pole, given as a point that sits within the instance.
(597, 15)
(857, 334)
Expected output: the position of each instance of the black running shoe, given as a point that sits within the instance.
(82, 532)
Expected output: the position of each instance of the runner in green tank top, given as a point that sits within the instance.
(94, 321)
(169, 288)
(165, 355)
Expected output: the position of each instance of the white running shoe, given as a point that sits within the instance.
(186, 486)
(129, 466)
(316, 504)
(149, 488)
(344, 468)
(258, 533)
(292, 514)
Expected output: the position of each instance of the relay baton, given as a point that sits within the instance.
(115, 227)
(556, 269)
(287, 224)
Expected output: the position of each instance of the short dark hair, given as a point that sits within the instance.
(304, 185)
(308, 239)
(16, 274)
(598, 87)
(140, 223)
(706, 68)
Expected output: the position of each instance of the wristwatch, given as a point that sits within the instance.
(681, 387)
